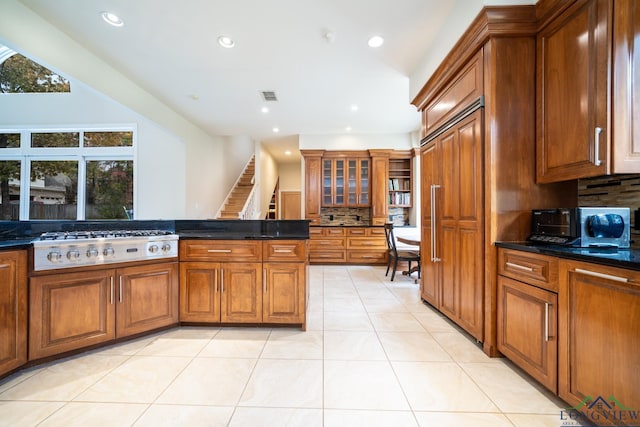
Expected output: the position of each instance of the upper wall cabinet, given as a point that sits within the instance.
(626, 87)
(345, 180)
(577, 50)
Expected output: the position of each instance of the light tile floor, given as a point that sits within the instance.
(373, 355)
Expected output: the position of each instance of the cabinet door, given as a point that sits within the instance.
(572, 93)
(241, 292)
(147, 298)
(70, 311)
(283, 293)
(200, 292)
(527, 329)
(13, 316)
(430, 270)
(626, 87)
(313, 188)
(599, 320)
(363, 182)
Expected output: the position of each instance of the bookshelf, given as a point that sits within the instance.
(399, 188)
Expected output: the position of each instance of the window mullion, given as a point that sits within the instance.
(81, 193)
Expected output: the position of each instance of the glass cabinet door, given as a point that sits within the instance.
(352, 191)
(364, 183)
(339, 183)
(327, 183)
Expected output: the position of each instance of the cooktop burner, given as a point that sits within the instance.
(105, 234)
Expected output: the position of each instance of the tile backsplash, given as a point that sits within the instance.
(615, 191)
(345, 216)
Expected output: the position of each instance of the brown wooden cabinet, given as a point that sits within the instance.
(312, 184)
(13, 316)
(350, 245)
(284, 282)
(455, 249)
(269, 286)
(147, 298)
(345, 180)
(70, 311)
(327, 245)
(527, 313)
(626, 87)
(587, 85)
(599, 320)
(379, 176)
(492, 65)
(573, 54)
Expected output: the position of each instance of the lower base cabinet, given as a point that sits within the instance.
(13, 314)
(269, 288)
(70, 311)
(599, 346)
(527, 310)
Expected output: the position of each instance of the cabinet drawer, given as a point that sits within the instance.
(221, 250)
(365, 243)
(333, 231)
(327, 256)
(536, 269)
(361, 232)
(284, 250)
(367, 257)
(365, 232)
(327, 244)
(315, 232)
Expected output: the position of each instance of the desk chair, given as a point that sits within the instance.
(398, 255)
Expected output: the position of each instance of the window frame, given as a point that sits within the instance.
(27, 154)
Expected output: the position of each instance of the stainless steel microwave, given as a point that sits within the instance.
(582, 227)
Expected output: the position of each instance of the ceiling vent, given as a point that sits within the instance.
(269, 95)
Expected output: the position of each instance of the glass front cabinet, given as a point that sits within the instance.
(345, 182)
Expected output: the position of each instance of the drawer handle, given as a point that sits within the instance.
(283, 251)
(219, 251)
(602, 275)
(520, 267)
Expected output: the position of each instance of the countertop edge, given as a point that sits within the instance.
(602, 258)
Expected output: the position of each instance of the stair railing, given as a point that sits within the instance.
(250, 209)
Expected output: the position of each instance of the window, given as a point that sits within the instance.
(19, 74)
(66, 174)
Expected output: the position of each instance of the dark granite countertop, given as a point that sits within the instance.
(20, 234)
(622, 258)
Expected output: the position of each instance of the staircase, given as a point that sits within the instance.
(240, 193)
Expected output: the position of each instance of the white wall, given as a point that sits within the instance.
(460, 17)
(355, 141)
(290, 176)
(268, 173)
(198, 182)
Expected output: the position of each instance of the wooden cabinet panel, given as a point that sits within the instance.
(466, 88)
(241, 296)
(572, 93)
(199, 292)
(626, 87)
(453, 226)
(379, 186)
(13, 316)
(284, 250)
(329, 257)
(313, 188)
(539, 270)
(284, 293)
(221, 250)
(367, 257)
(147, 298)
(599, 320)
(70, 311)
(527, 324)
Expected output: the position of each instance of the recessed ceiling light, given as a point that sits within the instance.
(226, 42)
(112, 19)
(276, 130)
(375, 41)
(287, 153)
(348, 128)
(265, 110)
(354, 107)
